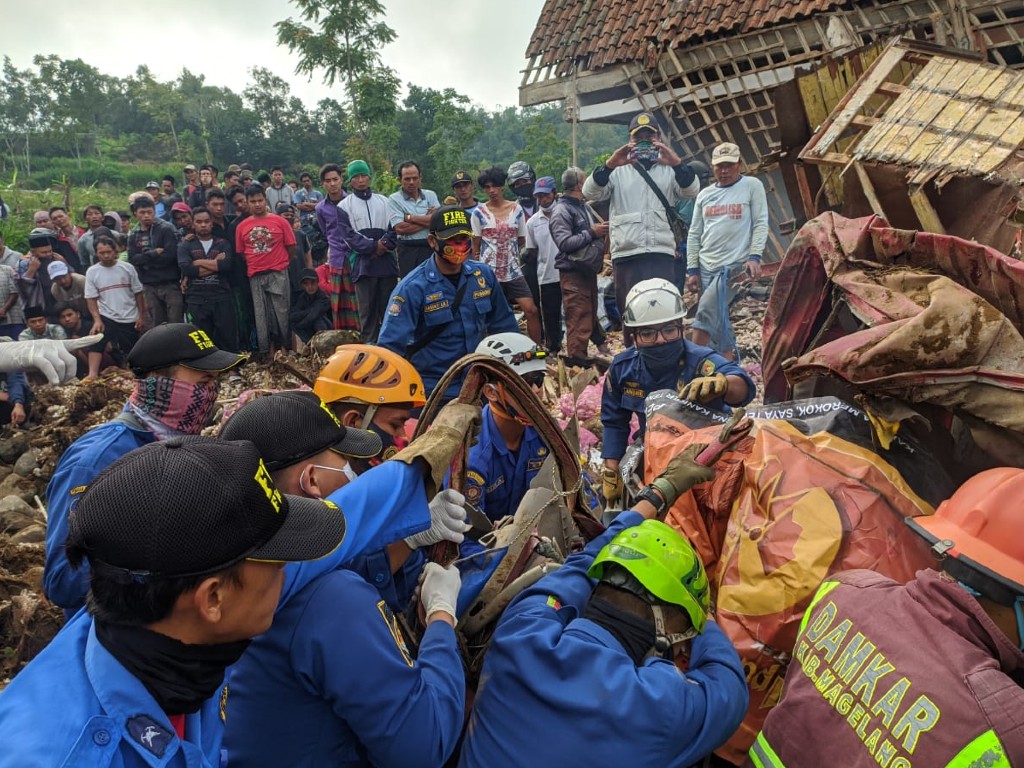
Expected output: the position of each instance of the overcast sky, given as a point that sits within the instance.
(476, 47)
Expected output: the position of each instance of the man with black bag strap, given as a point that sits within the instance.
(445, 307)
(642, 180)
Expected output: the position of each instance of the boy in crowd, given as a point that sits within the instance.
(38, 328)
(116, 302)
(311, 310)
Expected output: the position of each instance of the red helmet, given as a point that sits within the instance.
(979, 527)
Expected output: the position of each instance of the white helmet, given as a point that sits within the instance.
(517, 350)
(652, 302)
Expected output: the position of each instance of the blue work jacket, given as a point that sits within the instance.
(85, 458)
(333, 683)
(103, 716)
(558, 689)
(396, 588)
(628, 384)
(497, 478)
(423, 300)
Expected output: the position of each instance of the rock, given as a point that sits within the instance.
(26, 462)
(16, 514)
(5, 470)
(15, 484)
(32, 534)
(12, 447)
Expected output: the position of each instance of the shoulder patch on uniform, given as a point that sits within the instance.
(707, 368)
(152, 736)
(476, 477)
(396, 306)
(395, 630)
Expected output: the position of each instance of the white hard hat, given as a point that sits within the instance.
(652, 302)
(517, 350)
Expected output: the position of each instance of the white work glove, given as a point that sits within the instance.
(447, 521)
(439, 589)
(50, 357)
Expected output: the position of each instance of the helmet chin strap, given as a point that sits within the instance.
(503, 409)
(371, 411)
(665, 641)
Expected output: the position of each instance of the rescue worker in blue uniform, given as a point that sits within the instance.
(372, 388)
(333, 682)
(509, 452)
(176, 368)
(186, 539)
(581, 672)
(660, 359)
(445, 306)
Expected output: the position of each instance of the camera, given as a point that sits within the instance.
(645, 151)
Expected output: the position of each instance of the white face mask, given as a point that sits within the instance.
(347, 471)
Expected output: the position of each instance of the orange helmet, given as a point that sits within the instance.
(978, 530)
(360, 373)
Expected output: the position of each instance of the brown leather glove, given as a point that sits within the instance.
(704, 389)
(611, 484)
(439, 444)
(681, 474)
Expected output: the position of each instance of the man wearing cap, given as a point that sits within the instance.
(191, 180)
(542, 249)
(365, 222)
(726, 238)
(185, 541)
(181, 218)
(205, 261)
(176, 369)
(642, 243)
(924, 673)
(153, 188)
(443, 309)
(463, 186)
(67, 286)
(153, 251)
(311, 309)
(343, 696)
(33, 276)
(38, 328)
(411, 208)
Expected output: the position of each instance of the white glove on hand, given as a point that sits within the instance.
(447, 521)
(50, 357)
(439, 589)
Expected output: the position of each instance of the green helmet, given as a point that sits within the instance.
(664, 562)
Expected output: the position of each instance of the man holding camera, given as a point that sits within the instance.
(641, 180)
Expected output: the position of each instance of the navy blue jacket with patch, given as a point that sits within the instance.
(629, 383)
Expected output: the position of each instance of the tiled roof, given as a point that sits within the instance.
(608, 32)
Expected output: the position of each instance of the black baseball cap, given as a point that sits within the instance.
(450, 221)
(461, 177)
(643, 120)
(191, 506)
(178, 344)
(283, 207)
(288, 427)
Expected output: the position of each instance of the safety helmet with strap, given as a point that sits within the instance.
(371, 376)
(653, 302)
(517, 350)
(664, 563)
(977, 534)
(520, 170)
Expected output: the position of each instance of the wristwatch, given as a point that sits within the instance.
(407, 217)
(649, 494)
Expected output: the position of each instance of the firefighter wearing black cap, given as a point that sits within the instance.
(445, 307)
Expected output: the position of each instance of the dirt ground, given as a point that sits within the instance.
(28, 621)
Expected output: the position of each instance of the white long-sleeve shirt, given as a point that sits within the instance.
(729, 224)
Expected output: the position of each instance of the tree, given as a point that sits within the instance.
(455, 129)
(346, 47)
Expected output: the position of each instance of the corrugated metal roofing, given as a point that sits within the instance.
(609, 32)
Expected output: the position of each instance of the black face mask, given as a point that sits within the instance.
(178, 675)
(635, 634)
(390, 445)
(662, 358)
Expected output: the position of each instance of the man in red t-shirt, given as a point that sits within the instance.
(266, 243)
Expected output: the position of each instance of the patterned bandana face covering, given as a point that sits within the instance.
(456, 253)
(173, 407)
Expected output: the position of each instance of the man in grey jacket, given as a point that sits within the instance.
(642, 243)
